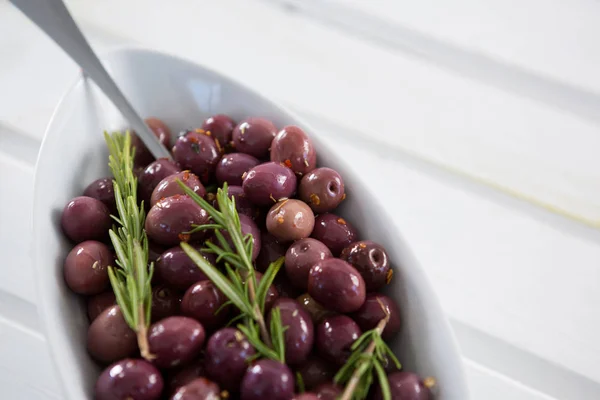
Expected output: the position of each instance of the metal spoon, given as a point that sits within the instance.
(53, 18)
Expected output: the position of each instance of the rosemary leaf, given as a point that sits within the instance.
(277, 332)
(266, 282)
(300, 382)
(383, 381)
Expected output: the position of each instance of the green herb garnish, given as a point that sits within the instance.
(239, 281)
(130, 282)
(369, 352)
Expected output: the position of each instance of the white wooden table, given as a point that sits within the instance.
(479, 119)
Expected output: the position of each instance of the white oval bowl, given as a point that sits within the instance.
(183, 94)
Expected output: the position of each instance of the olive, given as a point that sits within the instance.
(322, 189)
(161, 131)
(102, 189)
(299, 334)
(169, 220)
(227, 353)
(316, 311)
(301, 256)
(165, 302)
(242, 204)
(175, 340)
(109, 338)
(85, 218)
(169, 187)
(254, 136)
(98, 303)
(270, 251)
(290, 220)
(204, 302)
(334, 231)
(316, 371)
(336, 285)
(199, 153)
(374, 310)
(86, 267)
(175, 268)
(220, 128)
(266, 183)
(198, 389)
(284, 287)
(328, 391)
(232, 168)
(305, 396)
(335, 336)
(248, 227)
(267, 379)
(371, 260)
(405, 386)
(294, 148)
(129, 379)
(151, 176)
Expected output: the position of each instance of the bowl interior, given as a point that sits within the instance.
(183, 95)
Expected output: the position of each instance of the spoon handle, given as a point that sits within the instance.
(53, 18)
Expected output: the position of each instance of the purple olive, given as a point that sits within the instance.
(305, 396)
(316, 371)
(102, 189)
(198, 389)
(232, 168)
(220, 128)
(254, 136)
(86, 267)
(328, 391)
(301, 256)
(165, 302)
(294, 148)
(175, 268)
(270, 251)
(85, 218)
(151, 176)
(371, 260)
(267, 379)
(285, 288)
(227, 353)
(374, 310)
(405, 386)
(199, 153)
(336, 285)
(334, 231)
(175, 341)
(109, 338)
(100, 302)
(335, 336)
(269, 182)
(299, 335)
(322, 189)
(242, 204)
(202, 301)
(161, 131)
(168, 220)
(130, 379)
(169, 187)
(290, 220)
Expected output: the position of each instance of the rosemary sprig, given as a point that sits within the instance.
(368, 353)
(239, 281)
(130, 282)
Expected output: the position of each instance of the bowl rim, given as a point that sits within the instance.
(49, 329)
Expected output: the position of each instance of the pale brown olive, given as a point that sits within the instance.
(290, 220)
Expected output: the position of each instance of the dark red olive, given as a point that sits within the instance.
(334, 231)
(169, 187)
(143, 156)
(232, 168)
(335, 336)
(220, 128)
(294, 148)
(102, 189)
(374, 310)
(204, 302)
(169, 220)
(85, 218)
(165, 302)
(86, 267)
(305, 396)
(371, 260)
(175, 340)
(176, 269)
(129, 379)
(301, 256)
(299, 335)
(177, 378)
(198, 389)
(151, 176)
(316, 371)
(316, 311)
(199, 153)
(328, 391)
(270, 250)
(336, 285)
(322, 189)
(267, 379)
(109, 337)
(100, 302)
(254, 136)
(405, 386)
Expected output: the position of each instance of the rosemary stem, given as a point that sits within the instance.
(264, 333)
(358, 372)
(142, 335)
